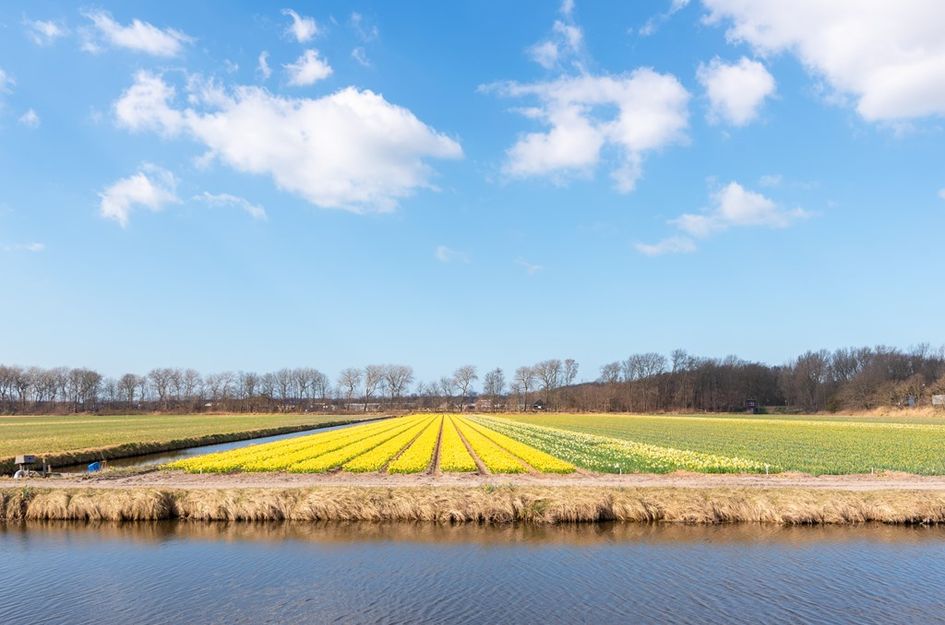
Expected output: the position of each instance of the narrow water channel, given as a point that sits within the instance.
(176, 572)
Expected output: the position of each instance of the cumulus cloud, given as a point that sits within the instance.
(152, 187)
(669, 245)
(635, 113)
(446, 254)
(889, 57)
(262, 65)
(731, 206)
(307, 69)
(302, 28)
(566, 42)
(137, 36)
(30, 119)
(351, 150)
(227, 200)
(44, 32)
(736, 91)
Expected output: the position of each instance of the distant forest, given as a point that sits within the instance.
(845, 379)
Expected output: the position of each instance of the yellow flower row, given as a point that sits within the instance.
(279, 454)
(496, 459)
(454, 457)
(539, 460)
(375, 459)
(418, 456)
(336, 458)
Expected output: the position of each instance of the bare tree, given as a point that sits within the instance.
(525, 379)
(349, 380)
(160, 380)
(396, 379)
(373, 377)
(493, 385)
(447, 388)
(463, 378)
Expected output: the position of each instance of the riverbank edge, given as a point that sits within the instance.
(129, 450)
(482, 504)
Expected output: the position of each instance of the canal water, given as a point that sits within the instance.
(162, 457)
(175, 572)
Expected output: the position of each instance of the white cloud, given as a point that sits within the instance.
(732, 206)
(145, 106)
(736, 91)
(151, 187)
(565, 44)
(307, 69)
(530, 268)
(351, 150)
(6, 82)
(35, 248)
(302, 28)
(735, 206)
(360, 55)
(138, 36)
(225, 199)
(771, 180)
(636, 113)
(669, 245)
(941, 193)
(262, 65)
(446, 254)
(44, 32)
(30, 119)
(364, 32)
(888, 56)
(653, 24)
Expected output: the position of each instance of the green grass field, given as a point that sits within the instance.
(57, 434)
(810, 444)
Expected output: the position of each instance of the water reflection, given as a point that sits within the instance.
(174, 572)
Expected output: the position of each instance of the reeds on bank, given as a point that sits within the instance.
(485, 505)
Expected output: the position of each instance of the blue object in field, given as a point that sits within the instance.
(95, 466)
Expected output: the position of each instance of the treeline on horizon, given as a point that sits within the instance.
(844, 379)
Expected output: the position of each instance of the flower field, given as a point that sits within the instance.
(561, 444)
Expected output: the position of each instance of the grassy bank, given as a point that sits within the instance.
(65, 440)
(488, 504)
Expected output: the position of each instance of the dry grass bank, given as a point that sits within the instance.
(484, 504)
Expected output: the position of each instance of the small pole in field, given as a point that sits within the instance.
(766, 468)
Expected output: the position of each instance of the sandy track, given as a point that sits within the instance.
(180, 480)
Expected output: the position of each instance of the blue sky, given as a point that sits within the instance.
(251, 186)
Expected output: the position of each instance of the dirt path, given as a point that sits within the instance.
(176, 479)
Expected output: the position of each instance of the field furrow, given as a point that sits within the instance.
(454, 457)
(496, 459)
(417, 457)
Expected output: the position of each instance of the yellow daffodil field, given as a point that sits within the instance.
(433, 443)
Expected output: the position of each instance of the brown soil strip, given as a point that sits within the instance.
(435, 464)
(383, 469)
(528, 468)
(483, 469)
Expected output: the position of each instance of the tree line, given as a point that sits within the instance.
(851, 379)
